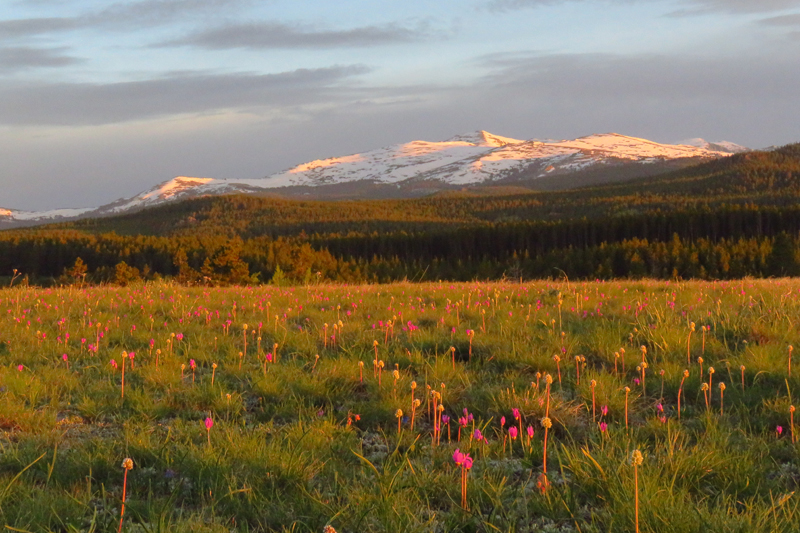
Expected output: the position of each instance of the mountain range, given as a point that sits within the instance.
(420, 168)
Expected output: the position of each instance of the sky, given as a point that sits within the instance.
(101, 100)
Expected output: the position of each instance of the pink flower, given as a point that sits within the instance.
(603, 427)
(209, 423)
(515, 412)
(636, 380)
(192, 365)
(604, 410)
(458, 457)
(512, 432)
(113, 363)
(445, 419)
(530, 432)
(660, 408)
(64, 357)
(269, 357)
(502, 421)
(779, 430)
(20, 367)
(467, 462)
(478, 435)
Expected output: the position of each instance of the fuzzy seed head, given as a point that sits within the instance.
(593, 383)
(704, 386)
(627, 390)
(546, 423)
(127, 463)
(685, 373)
(636, 458)
(398, 413)
(721, 386)
(413, 385)
(711, 370)
(548, 379)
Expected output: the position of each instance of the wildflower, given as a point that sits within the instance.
(127, 464)
(603, 427)
(604, 410)
(636, 461)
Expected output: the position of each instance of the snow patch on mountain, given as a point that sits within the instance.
(472, 158)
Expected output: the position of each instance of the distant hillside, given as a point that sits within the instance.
(422, 168)
(726, 218)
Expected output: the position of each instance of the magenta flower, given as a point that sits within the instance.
(458, 457)
(445, 419)
(209, 423)
(604, 410)
(530, 432)
(192, 364)
(512, 432)
(478, 435)
(113, 363)
(660, 408)
(20, 367)
(603, 427)
(269, 357)
(64, 357)
(515, 412)
(502, 421)
(779, 430)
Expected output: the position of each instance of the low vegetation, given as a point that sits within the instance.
(546, 406)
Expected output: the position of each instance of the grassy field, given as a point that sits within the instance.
(264, 409)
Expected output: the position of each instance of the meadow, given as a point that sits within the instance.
(500, 407)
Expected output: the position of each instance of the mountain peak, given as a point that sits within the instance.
(720, 146)
(484, 138)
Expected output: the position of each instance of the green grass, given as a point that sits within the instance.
(288, 453)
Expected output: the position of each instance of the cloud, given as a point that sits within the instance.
(18, 58)
(122, 15)
(272, 35)
(10, 29)
(179, 93)
(782, 20)
(685, 7)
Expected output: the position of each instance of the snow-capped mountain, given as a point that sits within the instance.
(478, 158)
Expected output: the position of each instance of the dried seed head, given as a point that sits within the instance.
(791, 409)
(593, 383)
(627, 390)
(685, 373)
(396, 374)
(704, 386)
(741, 368)
(556, 358)
(721, 386)
(700, 360)
(127, 463)
(548, 379)
(398, 413)
(691, 326)
(644, 365)
(546, 423)
(413, 385)
(636, 458)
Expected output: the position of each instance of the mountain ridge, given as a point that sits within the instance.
(421, 167)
